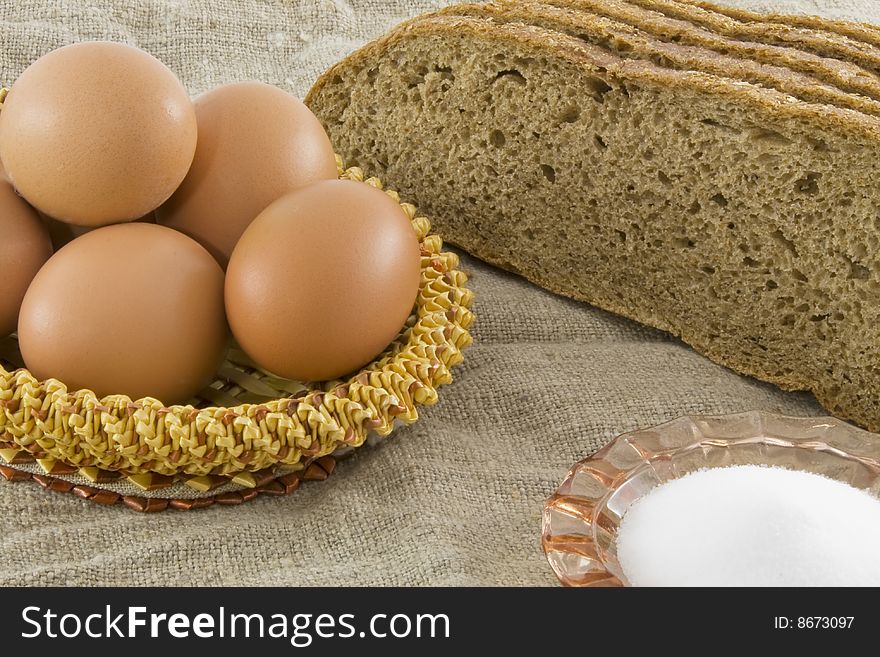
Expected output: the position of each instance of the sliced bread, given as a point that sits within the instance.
(846, 75)
(630, 42)
(867, 32)
(739, 218)
(818, 41)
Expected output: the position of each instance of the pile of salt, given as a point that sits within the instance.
(752, 526)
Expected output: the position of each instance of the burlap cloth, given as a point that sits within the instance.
(454, 499)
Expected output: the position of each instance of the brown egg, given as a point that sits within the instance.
(62, 233)
(134, 309)
(24, 247)
(97, 133)
(323, 280)
(256, 142)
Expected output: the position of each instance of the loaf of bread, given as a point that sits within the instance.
(716, 195)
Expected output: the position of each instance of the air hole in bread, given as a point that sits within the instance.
(548, 172)
(720, 199)
(415, 79)
(599, 141)
(770, 136)
(510, 74)
(858, 272)
(798, 275)
(599, 88)
(571, 114)
(757, 342)
(497, 138)
(683, 243)
(722, 126)
(809, 184)
(784, 241)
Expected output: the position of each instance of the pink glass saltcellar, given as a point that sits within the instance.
(582, 517)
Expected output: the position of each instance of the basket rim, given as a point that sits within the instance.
(278, 484)
(117, 433)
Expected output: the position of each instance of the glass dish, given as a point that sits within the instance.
(582, 517)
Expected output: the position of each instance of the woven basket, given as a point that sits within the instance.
(248, 427)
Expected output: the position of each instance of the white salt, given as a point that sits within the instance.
(752, 526)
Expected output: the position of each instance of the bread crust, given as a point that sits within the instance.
(819, 41)
(844, 74)
(642, 45)
(781, 106)
(859, 30)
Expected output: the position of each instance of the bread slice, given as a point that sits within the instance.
(818, 41)
(629, 42)
(867, 32)
(846, 75)
(739, 218)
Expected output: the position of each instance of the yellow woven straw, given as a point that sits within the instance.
(248, 420)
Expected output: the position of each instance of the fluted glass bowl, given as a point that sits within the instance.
(582, 517)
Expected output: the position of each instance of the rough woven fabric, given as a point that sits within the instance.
(457, 497)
